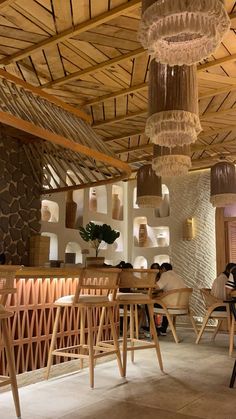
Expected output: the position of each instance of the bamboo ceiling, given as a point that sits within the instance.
(86, 53)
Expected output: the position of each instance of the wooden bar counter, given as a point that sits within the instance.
(32, 323)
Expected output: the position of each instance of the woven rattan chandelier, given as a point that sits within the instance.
(177, 32)
(223, 184)
(173, 105)
(170, 162)
(149, 189)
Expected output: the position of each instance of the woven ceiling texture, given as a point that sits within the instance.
(86, 53)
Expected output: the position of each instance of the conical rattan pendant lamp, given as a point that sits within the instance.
(149, 189)
(173, 105)
(178, 32)
(170, 162)
(223, 184)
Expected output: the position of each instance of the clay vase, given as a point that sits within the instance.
(165, 206)
(71, 208)
(45, 213)
(161, 241)
(93, 201)
(142, 235)
(115, 207)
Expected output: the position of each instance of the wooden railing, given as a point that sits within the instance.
(32, 323)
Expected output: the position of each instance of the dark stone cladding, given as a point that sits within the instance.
(19, 201)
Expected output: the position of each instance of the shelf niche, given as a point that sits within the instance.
(161, 259)
(140, 262)
(98, 199)
(49, 211)
(73, 248)
(53, 252)
(117, 202)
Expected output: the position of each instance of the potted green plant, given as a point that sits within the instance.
(95, 234)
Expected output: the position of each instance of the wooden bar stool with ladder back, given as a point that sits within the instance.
(142, 282)
(96, 291)
(7, 277)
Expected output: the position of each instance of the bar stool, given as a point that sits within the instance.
(142, 281)
(97, 285)
(7, 277)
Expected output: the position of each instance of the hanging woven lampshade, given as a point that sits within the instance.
(170, 162)
(149, 190)
(173, 105)
(223, 184)
(178, 32)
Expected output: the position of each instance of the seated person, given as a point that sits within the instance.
(231, 283)
(218, 289)
(168, 281)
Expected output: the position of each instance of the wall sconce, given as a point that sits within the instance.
(188, 229)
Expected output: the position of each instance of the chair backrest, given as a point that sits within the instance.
(178, 298)
(208, 298)
(138, 279)
(7, 277)
(97, 281)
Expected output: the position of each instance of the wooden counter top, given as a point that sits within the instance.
(41, 272)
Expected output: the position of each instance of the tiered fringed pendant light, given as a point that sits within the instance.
(223, 184)
(178, 32)
(173, 105)
(149, 190)
(171, 162)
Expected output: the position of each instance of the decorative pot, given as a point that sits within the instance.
(115, 207)
(94, 261)
(71, 208)
(70, 257)
(93, 201)
(45, 213)
(161, 241)
(165, 206)
(142, 235)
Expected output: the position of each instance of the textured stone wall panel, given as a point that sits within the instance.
(19, 202)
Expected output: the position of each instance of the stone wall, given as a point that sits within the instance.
(19, 202)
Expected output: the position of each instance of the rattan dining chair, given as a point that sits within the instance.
(141, 282)
(173, 304)
(94, 288)
(7, 278)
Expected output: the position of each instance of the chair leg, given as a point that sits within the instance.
(115, 339)
(233, 376)
(124, 344)
(154, 335)
(82, 335)
(231, 336)
(53, 341)
(11, 366)
(193, 322)
(136, 321)
(90, 347)
(203, 326)
(132, 331)
(172, 327)
(217, 329)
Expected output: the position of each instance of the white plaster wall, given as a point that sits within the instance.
(195, 260)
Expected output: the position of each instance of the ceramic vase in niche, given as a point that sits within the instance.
(142, 235)
(45, 213)
(71, 208)
(93, 201)
(115, 207)
(165, 206)
(161, 241)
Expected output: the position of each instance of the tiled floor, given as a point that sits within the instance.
(194, 385)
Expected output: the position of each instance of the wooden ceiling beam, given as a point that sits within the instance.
(206, 116)
(194, 147)
(5, 3)
(71, 32)
(143, 86)
(93, 69)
